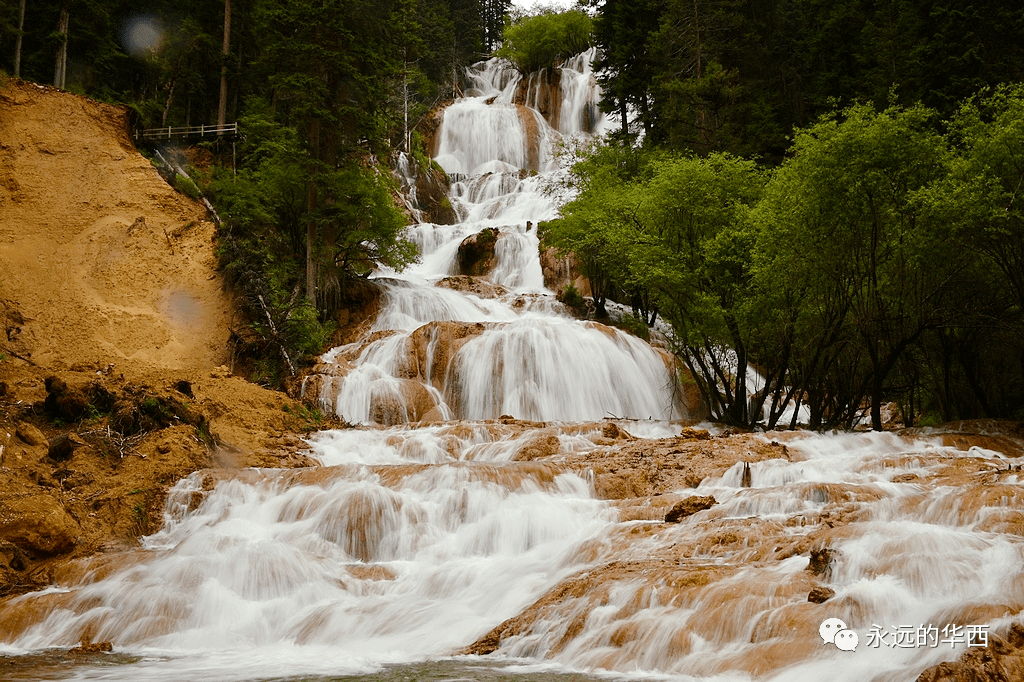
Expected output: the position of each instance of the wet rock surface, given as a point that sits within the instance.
(1001, 661)
(476, 255)
(689, 507)
(820, 595)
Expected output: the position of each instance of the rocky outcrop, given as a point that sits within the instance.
(820, 594)
(429, 126)
(476, 255)
(533, 142)
(689, 507)
(17, 335)
(560, 272)
(432, 187)
(425, 187)
(412, 403)
(428, 355)
(72, 489)
(473, 285)
(542, 90)
(538, 445)
(1001, 661)
(433, 346)
(38, 524)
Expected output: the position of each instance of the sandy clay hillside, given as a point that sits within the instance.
(106, 262)
(114, 327)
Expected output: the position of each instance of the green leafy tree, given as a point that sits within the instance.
(540, 42)
(871, 272)
(974, 367)
(692, 246)
(673, 235)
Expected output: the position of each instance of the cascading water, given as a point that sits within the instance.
(528, 359)
(414, 542)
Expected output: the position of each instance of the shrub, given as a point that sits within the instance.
(186, 186)
(571, 297)
(634, 326)
(541, 41)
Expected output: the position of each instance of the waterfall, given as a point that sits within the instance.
(463, 515)
(529, 361)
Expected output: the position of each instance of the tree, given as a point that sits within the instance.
(333, 84)
(493, 20)
(623, 31)
(851, 240)
(693, 246)
(61, 67)
(975, 366)
(674, 234)
(17, 42)
(222, 107)
(542, 41)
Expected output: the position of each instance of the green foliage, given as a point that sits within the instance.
(186, 186)
(357, 227)
(311, 418)
(706, 76)
(635, 326)
(571, 297)
(540, 42)
(882, 261)
(871, 269)
(673, 234)
(205, 435)
(362, 227)
(626, 34)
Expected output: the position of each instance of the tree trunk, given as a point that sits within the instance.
(314, 143)
(167, 104)
(876, 402)
(405, 106)
(17, 42)
(61, 67)
(310, 242)
(222, 108)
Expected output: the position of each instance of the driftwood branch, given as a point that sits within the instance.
(20, 357)
(277, 338)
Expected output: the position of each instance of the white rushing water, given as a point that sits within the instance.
(411, 542)
(530, 360)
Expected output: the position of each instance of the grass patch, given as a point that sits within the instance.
(310, 418)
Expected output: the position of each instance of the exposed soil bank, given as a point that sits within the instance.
(108, 283)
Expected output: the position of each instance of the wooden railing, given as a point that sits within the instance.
(188, 131)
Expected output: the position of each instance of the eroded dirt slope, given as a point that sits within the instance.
(113, 342)
(106, 262)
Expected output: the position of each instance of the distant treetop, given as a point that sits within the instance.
(542, 41)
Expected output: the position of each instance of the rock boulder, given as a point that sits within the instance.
(476, 255)
(689, 507)
(38, 524)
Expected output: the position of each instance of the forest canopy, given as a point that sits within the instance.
(880, 262)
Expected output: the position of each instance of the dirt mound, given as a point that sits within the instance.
(72, 488)
(113, 337)
(104, 260)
